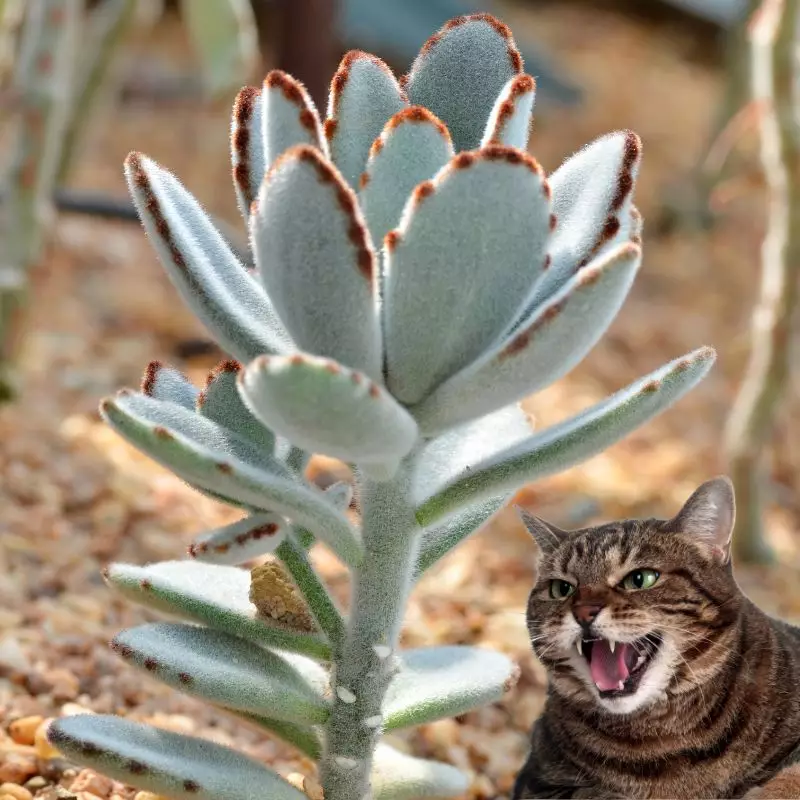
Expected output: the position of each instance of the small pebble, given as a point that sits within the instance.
(89, 781)
(23, 730)
(17, 768)
(44, 749)
(15, 792)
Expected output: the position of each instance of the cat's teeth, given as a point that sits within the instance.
(611, 645)
(639, 662)
(620, 686)
(579, 645)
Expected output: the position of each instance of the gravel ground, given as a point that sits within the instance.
(74, 497)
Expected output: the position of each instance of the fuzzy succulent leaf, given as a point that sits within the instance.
(471, 241)
(459, 73)
(226, 670)
(340, 494)
(555, 339)
(168, 385)
(575, 440)
(159, 761)
(315, 258)
(247, 147)
(397, 776)
(241, 541)
(441, 459)
(217, 596)
(592, 196)
(329, 409)
(307, 739)
(510, 121)
(290, 117)
(220, 402)
(213, 458)
(437, 682)
(209, 277)
(364, 95)
(439, 541)
(411, 149)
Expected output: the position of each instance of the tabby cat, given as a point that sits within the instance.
(665, 681)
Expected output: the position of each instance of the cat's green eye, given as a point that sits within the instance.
(559, 590)
(639, 579)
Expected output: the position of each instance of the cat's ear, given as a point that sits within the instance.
(709, 515)
(547, 536)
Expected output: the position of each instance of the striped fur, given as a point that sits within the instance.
(717, 711)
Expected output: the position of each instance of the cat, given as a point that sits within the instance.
(664, 680)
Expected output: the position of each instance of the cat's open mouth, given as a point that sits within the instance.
(617, 667)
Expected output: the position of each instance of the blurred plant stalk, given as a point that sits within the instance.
(41, 92)
(773, 33)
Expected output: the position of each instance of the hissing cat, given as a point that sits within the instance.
(665, 681)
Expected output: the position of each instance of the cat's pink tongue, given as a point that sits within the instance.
(608, 669)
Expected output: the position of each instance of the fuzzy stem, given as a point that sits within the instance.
(367, 663)
(43, 73)
(320, 603)
(773, 37)
(108, 25)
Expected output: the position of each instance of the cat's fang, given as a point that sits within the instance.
(579, 645)
(611, 645)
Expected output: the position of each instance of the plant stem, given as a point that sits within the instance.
(773, 41)
(320, 603)
(367, 663)
(108, 24)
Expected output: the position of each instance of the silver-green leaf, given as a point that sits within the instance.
(460, 71)
(217, 596)
(326, 408)
(209, 277)
(556, 338)
(226, 670)
(168, 385)
(412, 148)
(315, 258)
(397, 776)
(570, 442)
(437, 682)
(510, 120)
(470, 245)
(214, 459)
(159, 761)
(364, 95)
(241, 541)
(220, 402)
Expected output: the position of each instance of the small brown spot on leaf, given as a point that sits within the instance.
(225, 468)
(391, 240)
(137, 768)
(329, 128)
(184, 677)
(296, 360)
(590, 276)
(548, 261)
(149, 378)
(150, 664)
(88, 749)
(631, 152)
(146, 585)
(332, 367)
(363, 180)
(222, 548)
(162, 433)
(425, 189)
(553, 222)
(547, 189)
(464, 160)
(240, 138)
(355, 377)
(191, 786)
(650, 387)
(374, 391)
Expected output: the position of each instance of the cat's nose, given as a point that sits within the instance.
(585, 614)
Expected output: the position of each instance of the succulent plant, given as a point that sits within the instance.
(416, 275)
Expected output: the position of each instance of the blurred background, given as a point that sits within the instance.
(85, 305)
